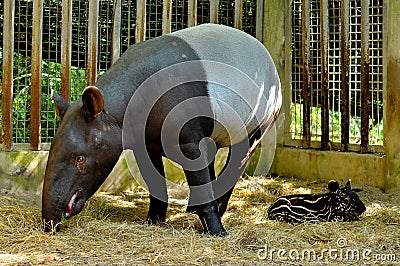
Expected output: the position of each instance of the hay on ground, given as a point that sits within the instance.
(110, 230)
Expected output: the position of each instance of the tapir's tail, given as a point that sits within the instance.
(257, 135)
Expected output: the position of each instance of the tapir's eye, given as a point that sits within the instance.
(80, 160)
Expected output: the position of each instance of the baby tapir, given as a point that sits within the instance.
(339, 204)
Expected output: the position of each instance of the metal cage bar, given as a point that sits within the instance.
(306, 88)
(140, 31)
(238, 21)
(7, 79)
(214, 9)
(345, 76)
(324, 74)
(66, 48)
(116, 31)
(348, 99)
(80, 40)
(166, 17)
(192, 13)
(36, 78)
(365, 92)
(92, 41)
(259, 19)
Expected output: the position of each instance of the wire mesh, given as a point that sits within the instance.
(249, 17)
(22, 71)
(154, 18)
(226, 12)
(51, 43)
(80, 14)
(105, 18)
(128, 17)
(203, 11)
(51, 57)
(297, 62)
(376, 70)
(335, 70)
(179, 14)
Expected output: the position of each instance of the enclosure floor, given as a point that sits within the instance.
(110, 231)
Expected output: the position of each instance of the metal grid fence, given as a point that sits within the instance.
(307, 46)
(52, 43)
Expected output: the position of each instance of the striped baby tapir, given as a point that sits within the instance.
(340, 204)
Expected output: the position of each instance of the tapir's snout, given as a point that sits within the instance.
(75, 204)
(57, 203)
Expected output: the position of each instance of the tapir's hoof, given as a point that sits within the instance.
(154, 220)
(191, 209)
(220, 233)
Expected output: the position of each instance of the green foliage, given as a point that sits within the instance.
(22, 96)
(296, 127)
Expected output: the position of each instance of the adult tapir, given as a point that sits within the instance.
(182, 96)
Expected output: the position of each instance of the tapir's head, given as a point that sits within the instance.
(84, 151)
(347, 204)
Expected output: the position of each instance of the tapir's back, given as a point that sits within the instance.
(242, 81)
(244, 84)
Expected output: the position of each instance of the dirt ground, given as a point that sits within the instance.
(110, 231)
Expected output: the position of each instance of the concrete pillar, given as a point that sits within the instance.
(274, 26)
(392, 107)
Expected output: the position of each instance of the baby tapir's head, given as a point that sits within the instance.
(347, 206)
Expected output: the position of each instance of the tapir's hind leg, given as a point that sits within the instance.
(201, 193)
(158, 193)
(230, 174)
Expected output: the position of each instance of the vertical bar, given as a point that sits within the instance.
(129, 23)
(259, 19)
(306, 89)
(166, 17)
(36, 79)
(214, 8)
(288, 66)
(66, 49)
(92, 41)
(140, 31)
(192, 13)
(116, 31)
(391, 79)
(345, 76)
(365, 93)
(237, 21)
(8, 66)
(324, 74)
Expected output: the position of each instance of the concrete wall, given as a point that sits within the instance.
(369, 169)
(23, 171)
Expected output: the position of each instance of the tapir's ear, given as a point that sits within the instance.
(60, 103)
(333, 186)
(93, 102)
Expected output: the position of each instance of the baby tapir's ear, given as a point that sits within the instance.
(348, 184)
(333, 186)
(93, 102)
(61, 104)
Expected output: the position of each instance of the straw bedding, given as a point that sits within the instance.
(110, 231)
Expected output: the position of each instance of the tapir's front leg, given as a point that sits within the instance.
(158, 193)
(201, 193)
